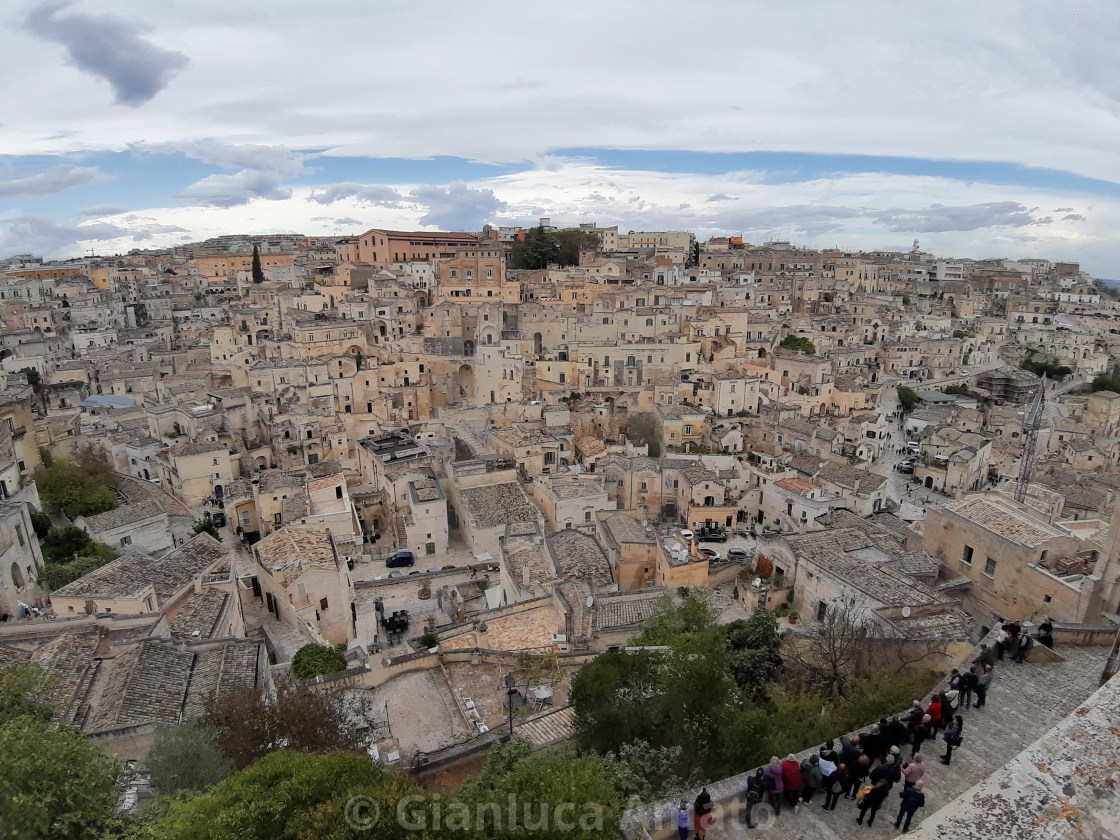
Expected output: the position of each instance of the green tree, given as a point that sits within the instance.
(905, 300)
(1108, 381)
(693, 255)
(65, 542)
(316, 660)
(541, 248)
(54, 784)
(41, 522)
(57, 575)
(71, 489)
(258, 272)
(186, 757)
(754, 648)
(301, 719)
(907, 398)
(798, 342)
(25, 691)
(207, 526)
(644, 427)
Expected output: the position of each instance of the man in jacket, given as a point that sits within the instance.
(912, 799)
(982, 686)
(968, 685)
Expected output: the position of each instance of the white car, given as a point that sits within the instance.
(687, 534)
(710, 553)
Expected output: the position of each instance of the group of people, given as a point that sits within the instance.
(864, 768)
(1012, 639)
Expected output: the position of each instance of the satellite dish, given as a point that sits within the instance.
(905, 612)
(590, 601)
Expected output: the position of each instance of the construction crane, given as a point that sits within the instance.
(1030, 438)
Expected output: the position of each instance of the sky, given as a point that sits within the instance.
(978, 129)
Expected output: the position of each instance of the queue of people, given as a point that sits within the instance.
(866, 768)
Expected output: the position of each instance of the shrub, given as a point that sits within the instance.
(316, 660)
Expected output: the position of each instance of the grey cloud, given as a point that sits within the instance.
(347, 220)
(457, 206)
(236, 189)
(1063, 209)
(938, 218)
(1073, 217)
(52, 180)
(261, 173)
(101, 210)
(43, 235)
(720, 197)
(110, 48)
(807, 219)
(376, 194)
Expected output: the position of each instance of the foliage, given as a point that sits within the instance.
(429, 640)
(799, 343)
(207, 526)
(960, 334)
(53, 784)
(41, 522)
(763, 566)
(905, 300)
(34, 379)
(541, 248)
(301, 718)
(1048, 369)
(186, 757)
(258, 272)
(754, 647)
(644, 427)
(316, 660)
(907, 398)
(1108, 381)
(25, 691)
(693, 255)
(74, 488)
(63, 543)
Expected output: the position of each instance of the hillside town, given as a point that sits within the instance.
(447, 455)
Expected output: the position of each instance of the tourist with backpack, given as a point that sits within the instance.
(870, 799)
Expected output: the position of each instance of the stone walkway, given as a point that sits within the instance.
(1025, 702)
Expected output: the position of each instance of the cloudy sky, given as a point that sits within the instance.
(980, 129)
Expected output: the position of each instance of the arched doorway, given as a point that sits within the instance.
(465, 381)
(538, 340)
(17, 576)
(468, 347)
(929, 481)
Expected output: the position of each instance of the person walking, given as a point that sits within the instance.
(870, 801)
(953, 733)
(1023, 647)
(888, 772)
(791, 781)
(702, 813)
(811, 778)
(922, 732)
(982, 686)
(913, 771)
(774, 788)
(912, 799)
(950, 700)
(841, 784)
(1046, 633)
(756, 789)
(968, 685)
(680, 813)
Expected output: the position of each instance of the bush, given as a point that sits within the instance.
(907, 398)
(74, 489)
(316, 660)
(429, 641)
(186, 757)
(799, 343)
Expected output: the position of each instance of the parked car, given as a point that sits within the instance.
(907, 470)
(400, 558)
(713, 535)
(687, 534)
(219, 519)
(445, 568)
(710, 553)
(737, 554)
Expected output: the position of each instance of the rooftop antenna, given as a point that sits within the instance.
(1030, 437)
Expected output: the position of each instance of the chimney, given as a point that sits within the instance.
(525, 578)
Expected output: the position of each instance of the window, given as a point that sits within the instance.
(323, 604)
(587, 516)
(990, 567)
(966, 558)
(643, 485)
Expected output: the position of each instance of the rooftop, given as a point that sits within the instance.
(124, 515)
(1000, 517)
(577, 555)
(130, 575)
(288, 552)
(497, 504)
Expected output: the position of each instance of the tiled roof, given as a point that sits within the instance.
(130, 574)
(577, 555)
(498, 503)
(623, 528)
(997, 516)
(198, 448)
(124, 515)
(626, 609)
(199, 614)
(287, 552)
